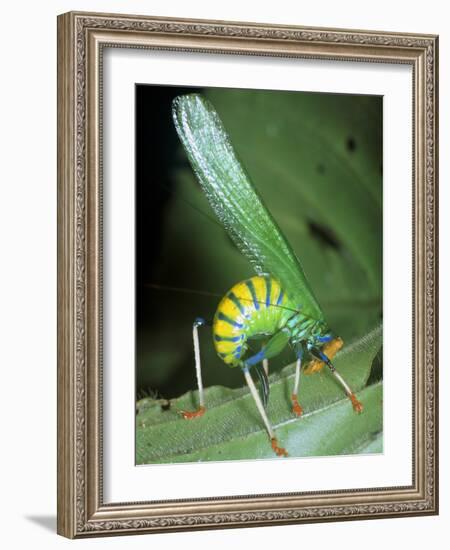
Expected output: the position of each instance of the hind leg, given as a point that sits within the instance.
(188, 415)
(265, 364)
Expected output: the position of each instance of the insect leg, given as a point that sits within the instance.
(264, 378)
(357, 405)
(296, 408)
(278, 450)
(266, 366)
(199, 322)
(274, 346)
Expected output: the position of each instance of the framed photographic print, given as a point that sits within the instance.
(247, 274)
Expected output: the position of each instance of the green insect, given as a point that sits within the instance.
(277, 305)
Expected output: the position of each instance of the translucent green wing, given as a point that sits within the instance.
(235, 200)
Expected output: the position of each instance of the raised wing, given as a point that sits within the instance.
(235, 200)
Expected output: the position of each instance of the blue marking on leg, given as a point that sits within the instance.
(324, 358)
(199, 322)
(257, 358)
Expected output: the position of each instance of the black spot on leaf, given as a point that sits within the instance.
(351, 144)
(324, 235)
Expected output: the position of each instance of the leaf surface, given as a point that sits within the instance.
(232, 428)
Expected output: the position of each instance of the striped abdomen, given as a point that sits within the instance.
(254, 307)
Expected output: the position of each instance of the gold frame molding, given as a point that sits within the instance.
(81, 39)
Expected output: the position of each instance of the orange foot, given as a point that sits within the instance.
(189, 415)
(296, 408)
(278, 450)
(357, 405)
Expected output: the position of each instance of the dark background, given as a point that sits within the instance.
(157, 157)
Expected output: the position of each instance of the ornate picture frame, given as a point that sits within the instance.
(82, 39)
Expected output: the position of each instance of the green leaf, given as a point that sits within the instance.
(233, 429)
(373, 444)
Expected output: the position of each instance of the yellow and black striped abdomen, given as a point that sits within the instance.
(252, 307)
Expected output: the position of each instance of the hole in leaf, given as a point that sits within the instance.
(324, 235)
(351, 144)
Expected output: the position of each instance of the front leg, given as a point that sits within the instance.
(296, 407)
(273, 347)
(279, 451)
